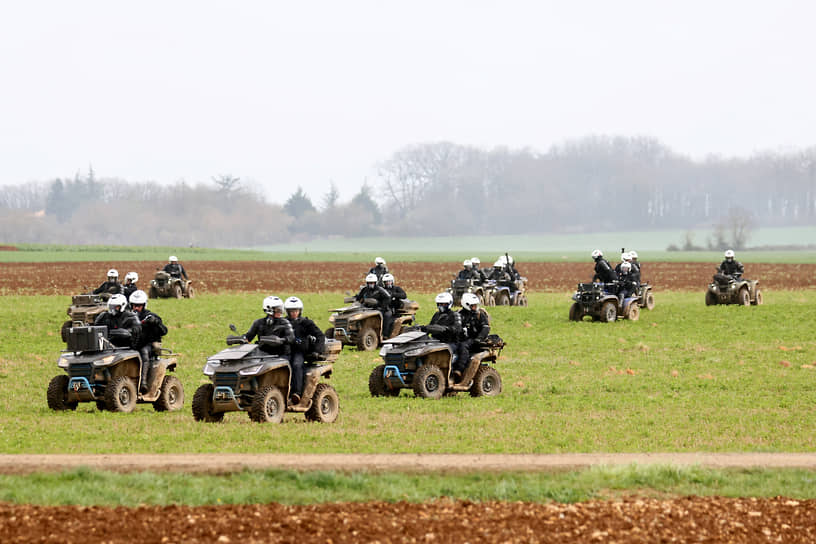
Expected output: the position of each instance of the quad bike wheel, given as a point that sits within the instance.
(58, 394)
(325, 405)
(633, 313)
(376, 384)
(120, 395)
(64, 330)
(153, 292)
(486, 383)
(429, 382)
(190, 291)
(503, 299)
(744, 297)
(178, 292)
(268, 405)
(521, 300)
(203, 406)
(609, 312)
(575, 312)
(711, 298)
(171, 395)
(650, 301)
(368, 339)
(758, 300)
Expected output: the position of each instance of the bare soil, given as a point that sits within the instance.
(309, 277)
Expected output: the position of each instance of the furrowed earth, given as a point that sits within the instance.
(631, 519)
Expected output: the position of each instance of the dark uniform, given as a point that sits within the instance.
(309, 342)
(397, 295)
(628, 286)
(475, 328)
(604, 272)
(273, 326)
(152, 331)
(129, 289)
(379, 271)
(731, 267)
(499, 274)
(479, 275)
(176, 270)
(124, 320)
(111, 287)
(383, 298)
(465, 274)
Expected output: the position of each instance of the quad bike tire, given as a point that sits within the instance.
(268, 405)
(64, 330)
(203, 407)
(329, 332)
(325, 405)
(368, 340)
(503, 299)
(650, 301)
(609, 312)
(711, 298)
(429, 382)
(521, 300)
(486, 382)
(190, 292)
(744, 297)
(376, 384)
(153, 292)
(120, 395)
(58, 394)
(171, 395)
(633, 312)
(758, 300)
(178, 292)
(101, 406)
(575, 312)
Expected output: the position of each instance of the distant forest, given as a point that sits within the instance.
(592, 184)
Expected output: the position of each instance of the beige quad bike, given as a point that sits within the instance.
(361, 324)
(459, 287)
(414, 360)
(729, 290)
(247, 378)
(83, 311)
(163, 285)
(506, 292)
(645, 296)
(99, 370)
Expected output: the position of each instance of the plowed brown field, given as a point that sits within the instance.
(305, 277)
(688, 519)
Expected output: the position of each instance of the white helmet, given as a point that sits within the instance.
(388, 278)
(467, 263)
(626, 267)
(293, 303)
(173, 259)
(117, 304)
(371, 278)
(444, 298)
(597, 254)
(270, 304)
(498, 264)
(625, 256)
(470, 301)
(138, 297)
(502, 259)
(132, 276)
(113, 273)
(633, 254)
(729, 253)
(379, 261)
(475, 261)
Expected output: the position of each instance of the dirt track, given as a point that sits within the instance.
(305, 277)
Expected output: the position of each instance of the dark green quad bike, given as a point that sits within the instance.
(246, 378)
(99, 371)
(163, 285)
(414, 360)
(595, 300)
(360, 325)
(729, 290)
(459, 287)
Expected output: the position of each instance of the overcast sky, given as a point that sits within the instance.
(304, 93)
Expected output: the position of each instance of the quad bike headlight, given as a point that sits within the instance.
(209, 369)
(108, 359)
(62, 362)
(250, 370)
(413, 352)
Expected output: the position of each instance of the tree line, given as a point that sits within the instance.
(438, 188)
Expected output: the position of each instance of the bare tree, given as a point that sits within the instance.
(740, 226)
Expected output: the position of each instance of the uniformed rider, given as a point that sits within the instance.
(309, 343)
(153, 329)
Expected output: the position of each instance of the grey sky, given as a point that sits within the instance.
(300, 93)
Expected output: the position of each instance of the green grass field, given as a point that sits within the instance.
(686, 377)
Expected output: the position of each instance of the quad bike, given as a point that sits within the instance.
(361, 324)
(99, 370)
(595, 300)
(163, 285)
(83, 311)
(459, 287)
(414, 360)
(247, 378)
(730, 290)
(506, 292)
(645, 296)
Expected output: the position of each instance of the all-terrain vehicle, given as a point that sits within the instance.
(645, 297)
(725, 289)
(247, 378)
(459, 287)
(414, 360)
(163, 285)
(99, 370)
(83, 311)
(596, 300)
(506, 292)
(361, 324)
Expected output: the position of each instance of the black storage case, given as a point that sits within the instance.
(87, 338)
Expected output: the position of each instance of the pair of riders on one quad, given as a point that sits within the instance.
(111, 285)
(300, 339)
(472, 272)
(622, 281)
(384, 295)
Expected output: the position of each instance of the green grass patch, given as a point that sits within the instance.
(87, 487)
(686, 377)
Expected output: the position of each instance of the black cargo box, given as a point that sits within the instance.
(87, 338)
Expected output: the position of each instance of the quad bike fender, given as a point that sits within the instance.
(311, 377)
(470, 371)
